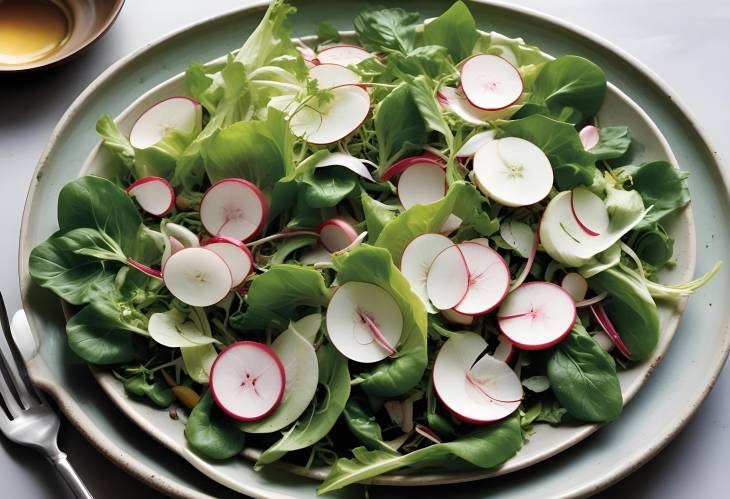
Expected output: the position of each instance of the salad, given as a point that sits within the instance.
(402, 249)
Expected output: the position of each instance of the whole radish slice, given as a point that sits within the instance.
(352, 163)
(154, 195)
(325, 123)
(336, 234)
(235, 208)
(236, 255)
(403, 164)
(575, 285)
(453, 99)
(589, 137)
(513, 172)
(490, 82)
(301, 372)
(488, 279)
(477, 391)
(589, 211)
(364, 322)
(197, 276)
(175, 113)
(505, 350)
(455, 317)
(475, 142)
(247, 380)
(537, 315)
(416, 261)
(448, 278)
(333, 75)
(344, 55)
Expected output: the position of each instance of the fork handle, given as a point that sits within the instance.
(72, 479)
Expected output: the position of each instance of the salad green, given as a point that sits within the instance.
(413, 199)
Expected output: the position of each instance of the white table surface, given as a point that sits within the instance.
(686, 43)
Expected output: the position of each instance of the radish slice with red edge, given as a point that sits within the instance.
(537, 315)
(364, 322)
(455, 317)
(477, 391)
(172, 246)
(176, 113)
(333, 75)
(576, 285)
(453, 100)
(344, 55)
(589, 211)
(490, 82)
(336, 234)
(352, 163)
(235, 208)
(513, 172)
(236, 255)
(488, 279)
(416, 261)
(589, 137)
(247, 380)
(428, 433)
(197, 276)
(599, 313)
(153, 194)
(403, 164)
(308, 54)
(425, 183)
(145, 269)
(448, 278)
(505, 350)
(475, 142)
(326, 123)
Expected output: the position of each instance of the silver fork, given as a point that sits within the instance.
(25, 415)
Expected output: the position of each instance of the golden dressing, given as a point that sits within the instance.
(31, 30)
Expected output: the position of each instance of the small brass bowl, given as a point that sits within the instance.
(87, 21)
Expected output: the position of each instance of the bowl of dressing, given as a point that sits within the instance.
(39, 33)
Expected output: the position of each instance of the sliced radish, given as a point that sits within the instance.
(144, 268)
(589, 211)
(172, 246)
(364, 322)
(184, 236)
(490, 82)
(455, 317)
(416, 261)
(236, 255)
(333, 75)
(604, 341)
(154, 195)
(197, 276)
(428, 433)
(475, 142)
(247, 380)
(505, 350)
(599, 313)
(308, 326)
(403, 164)
(480, 240)
(575, 285)
(301, 372)
(336, 234)
(488, 279)
(308, 54)
(537, 315)
(327, 123)
(477, 391)
(425, 183)
(175, 113)
(233, 207)
(513, 172)
(453, 100)
(589, 137)
(344, 55)
(350, 162)
(448, 279)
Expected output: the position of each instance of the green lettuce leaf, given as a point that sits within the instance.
(212, 434)
(393, 29)
(399, 127)
(613, 142)
(455, 29)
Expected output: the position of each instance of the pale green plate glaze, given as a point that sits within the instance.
(688, 371)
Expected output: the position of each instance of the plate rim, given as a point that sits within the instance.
(630, 464)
